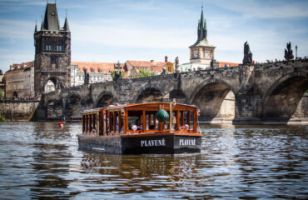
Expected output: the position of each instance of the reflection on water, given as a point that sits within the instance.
(38, 160)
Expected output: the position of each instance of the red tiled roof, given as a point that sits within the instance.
(95, 66)
(229, 64)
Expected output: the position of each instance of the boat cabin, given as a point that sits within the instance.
(144, 118)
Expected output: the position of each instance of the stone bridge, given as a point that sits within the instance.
(260, 93)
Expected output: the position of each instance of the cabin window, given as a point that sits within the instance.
(94, 122)
(111, 122)
(90, 123)
(135, 120)
(186, 120)
(151, 121)
(101, 123)
(83, 123)
(107, 123)
(118, 122)
(174, 121)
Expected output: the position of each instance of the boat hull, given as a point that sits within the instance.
(147, 144)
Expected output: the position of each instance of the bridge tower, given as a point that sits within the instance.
(201, 51)
(52, 52)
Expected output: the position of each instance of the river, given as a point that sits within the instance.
(40, 161)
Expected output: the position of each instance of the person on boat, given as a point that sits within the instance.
(93, 132)
(134, 127)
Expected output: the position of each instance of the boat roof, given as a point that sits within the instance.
(122, 106)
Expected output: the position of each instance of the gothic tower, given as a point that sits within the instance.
(202, 52)
(52, 52)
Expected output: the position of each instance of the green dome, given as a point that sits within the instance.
(162, 115)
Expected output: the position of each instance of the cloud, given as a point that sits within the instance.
(16, 29)
(112, 30)
(266, 9)
(116, 33)
(7, 57)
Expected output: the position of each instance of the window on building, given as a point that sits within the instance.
(53, 61)
(59, 48)
(48, 47)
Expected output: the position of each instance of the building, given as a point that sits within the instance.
(133, 68)
(223, 64)
(2, 84)
(19, 81)
(52, 53)
(201, 52)
(98, 72)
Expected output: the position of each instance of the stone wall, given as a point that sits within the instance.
(18, 110)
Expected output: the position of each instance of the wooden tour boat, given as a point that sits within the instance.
(155, 128)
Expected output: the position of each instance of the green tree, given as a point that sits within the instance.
(1, 93)
(145, 73)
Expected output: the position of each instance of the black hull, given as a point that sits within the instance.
(162, 144)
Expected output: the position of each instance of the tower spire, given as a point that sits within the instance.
(202, 32)
(51, 20)
(66, 26)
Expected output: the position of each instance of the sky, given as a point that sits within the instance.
(120, 30)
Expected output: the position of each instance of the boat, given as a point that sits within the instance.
(143, 128)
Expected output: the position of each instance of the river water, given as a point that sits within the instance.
(40, 161)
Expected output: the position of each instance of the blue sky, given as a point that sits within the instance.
(112, 30)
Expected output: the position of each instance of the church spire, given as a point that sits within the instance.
(202, 31)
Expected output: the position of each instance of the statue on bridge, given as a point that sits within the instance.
(247, 60)
(117, 71)
(86, 77)
(176, 63)
(288, 53)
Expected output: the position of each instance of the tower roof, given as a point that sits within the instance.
(202, 32)
(51, 20)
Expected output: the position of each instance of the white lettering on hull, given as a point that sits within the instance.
(187, 142)
(152, 143)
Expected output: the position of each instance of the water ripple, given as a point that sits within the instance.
(41, 161)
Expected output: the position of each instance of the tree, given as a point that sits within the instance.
(145, 73)
(1, 93)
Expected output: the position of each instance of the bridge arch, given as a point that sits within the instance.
(216, 101)
(105, 99)
(281, 100)
(54, 109)
(149, 94)
(179, 95)
(52, 84)
(73, 102)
